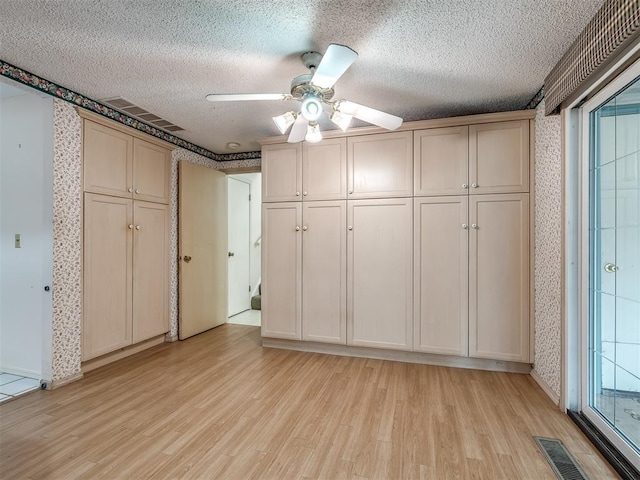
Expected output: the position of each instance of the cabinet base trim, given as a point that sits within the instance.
(63, 381)
(400, 356)
(94, 363)
(545, 387)
(168, 338)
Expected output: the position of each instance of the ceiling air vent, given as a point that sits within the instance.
(132, 110)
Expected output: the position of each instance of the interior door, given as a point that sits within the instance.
(203, 250)
(239, 251)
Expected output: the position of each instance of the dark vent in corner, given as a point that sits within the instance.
(563, 464)
(132, 110)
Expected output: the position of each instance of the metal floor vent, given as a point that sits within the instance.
(562, 462)
(125, 106)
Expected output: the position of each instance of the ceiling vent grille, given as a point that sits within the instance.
(129, 108)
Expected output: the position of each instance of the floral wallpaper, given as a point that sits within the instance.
(548, 249)
(67, 242)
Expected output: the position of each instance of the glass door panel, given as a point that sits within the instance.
(614, 265)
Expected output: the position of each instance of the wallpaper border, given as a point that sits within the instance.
(34, 81)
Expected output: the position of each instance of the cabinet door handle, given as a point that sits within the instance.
(297, 194)
(465, 226)
(186, 258)
(610, 268)
(297, 228)
(474, 225)
(350, 227)
(304, 193)
(474, 185)
(130, 190)
(138, 227)
(304, 228)
(137, 190)
(464, 185)
(130, 227)
(350, 192)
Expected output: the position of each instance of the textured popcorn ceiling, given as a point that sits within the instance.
(418, 59)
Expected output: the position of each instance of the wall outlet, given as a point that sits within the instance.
(17, 240)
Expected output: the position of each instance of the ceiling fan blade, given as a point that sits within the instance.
(334, 63)
(370, 115)
(230, 97)
(298, 130)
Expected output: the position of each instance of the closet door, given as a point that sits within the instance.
(324, 271)
(282, 172)
(441, 275)
(281, 270)
(324, 170)
(499, 277)
(107, 292)
(151, 172)
(380, 273)
(150, 270)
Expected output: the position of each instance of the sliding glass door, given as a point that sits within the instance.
(611, 360)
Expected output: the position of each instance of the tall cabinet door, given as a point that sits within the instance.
(441, 275)
(324, 271)
(107, 292)
(499, 277)
(281, 270)
(379, 273)
(282, 172)
(324, 170)
(150, 270)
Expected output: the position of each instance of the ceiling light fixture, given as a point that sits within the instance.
(284, 121)
(314, 135)
(340, 119)
(311, 107)
(233, 145)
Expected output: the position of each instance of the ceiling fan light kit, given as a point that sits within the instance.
(314, 90)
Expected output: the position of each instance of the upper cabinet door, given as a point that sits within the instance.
(441, 161)
(499, 157)
(380, 165)
(108, 157)
(324, 170)
(151, 172)
(282, 172)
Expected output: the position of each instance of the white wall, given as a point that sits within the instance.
(26, 199)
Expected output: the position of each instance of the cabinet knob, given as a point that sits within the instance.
(350, 192)
(137, 190)
(186, 258)
(304, 228)
(474, 225)
(297, 194)
(465, 226)
(350, 227)
(304, 193)
(610, 268)
(138, 227)
(230, 254)
(464, 185)
(130, 190)
(130, 227)
(297, 229)
(474, 185)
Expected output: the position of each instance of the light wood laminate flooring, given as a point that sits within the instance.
(218, 406)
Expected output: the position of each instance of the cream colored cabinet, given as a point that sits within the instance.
(151, 224)
(324, 170)
(380, 166)
(126, 273)
(499, 157)
(441, 161)
(115, 163)
(441, 275)
(324, 271)
(107, 291)
(474, 159)
(281, 270)
(499, 277)
(380, 273)
(282, 172)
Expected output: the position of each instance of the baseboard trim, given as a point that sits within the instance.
(98, 362)
(22, 372)
(399, 356)
(169, 338)
(64, 381)
(545, 387)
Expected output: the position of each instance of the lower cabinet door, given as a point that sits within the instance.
(441, 275)
(380, 273)
(499, 277)
(150, 270)
(324, 271)
(107, 292)
(281, 270)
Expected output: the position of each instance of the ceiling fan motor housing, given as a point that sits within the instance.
(301, 86)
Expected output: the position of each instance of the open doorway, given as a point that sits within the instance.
(245, 235)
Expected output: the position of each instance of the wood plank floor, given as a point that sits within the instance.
(220, 406)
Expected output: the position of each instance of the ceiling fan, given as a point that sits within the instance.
(315, 91)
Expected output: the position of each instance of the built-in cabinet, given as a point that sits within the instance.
(126, 239)
(433, 252)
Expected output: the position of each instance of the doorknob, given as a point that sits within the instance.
(610, 268)
(231, 254)
(187, 258)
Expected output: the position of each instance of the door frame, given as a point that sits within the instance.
(249, 218)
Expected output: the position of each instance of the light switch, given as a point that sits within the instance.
(17, 240)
